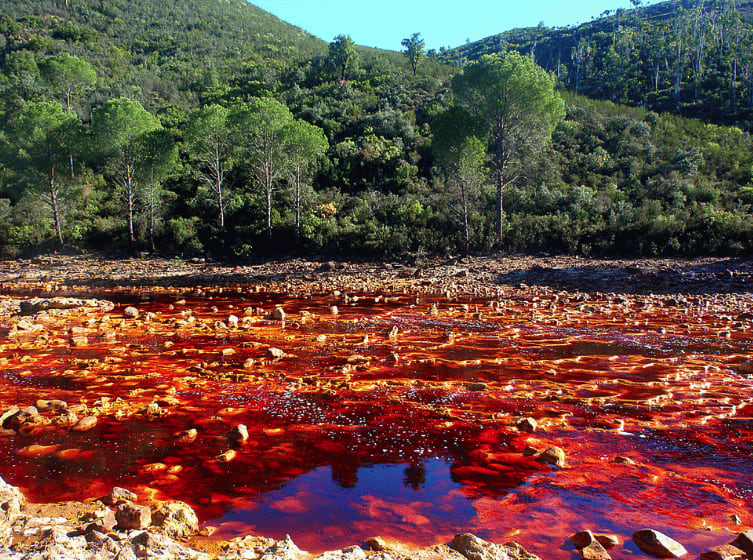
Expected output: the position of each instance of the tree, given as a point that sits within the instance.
(304, 144)
(517, 104)
(157, 158)
(343, 55)
(414, 50)
(210, 147)
(458, 146)
(66, 74)
(117, 128)
(260, 128)
(41, 136)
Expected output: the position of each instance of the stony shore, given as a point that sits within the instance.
(115, 527)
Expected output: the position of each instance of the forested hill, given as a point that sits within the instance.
(691, 57)
(158, 52)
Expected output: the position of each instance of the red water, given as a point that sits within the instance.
(350, 438)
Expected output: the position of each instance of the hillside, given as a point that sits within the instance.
(613, 180)
(689, 57)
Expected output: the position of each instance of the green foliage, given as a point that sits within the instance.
(214, 126)
(343, 56)
(414, 50)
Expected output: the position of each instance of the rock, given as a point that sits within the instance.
(227, 456)
(582, 539)
(349, 553)
(53, 405)
(475, 548)
(620, 460)
(160, 547)
(554, 456)
(232, 322)
(104, 521)
(133, 516)
(249, 363)
(12, 411)
(119, 496)
(283, 550)
(85, 424)
(186, 436)
(744, 541)
(333, 310)
(177, 519)
(658, 544)
(746, 368)
(11, 498)
(527, 425)
(376, 543)
(131, 312)
(278, 314)
(239, 434)
(28, 415)
(275, 353)
(607, 540)
(724, 552)
(530, 451)
(479, 387)
(594, 551)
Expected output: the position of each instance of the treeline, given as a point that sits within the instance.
(690, 57)
(327, 148)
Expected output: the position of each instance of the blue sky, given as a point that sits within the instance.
(384, 23)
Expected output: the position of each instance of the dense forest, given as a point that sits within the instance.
(211, 127)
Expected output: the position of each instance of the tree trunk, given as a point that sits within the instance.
(55, 208)
(466, 235)
(500, 210)
(268, 193)
(152, 219)
(298, 206)
(221, 206)
(129, 200)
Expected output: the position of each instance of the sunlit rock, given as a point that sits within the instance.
(658, 544)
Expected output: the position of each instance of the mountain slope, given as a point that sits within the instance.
(159, 52)
(690, 57)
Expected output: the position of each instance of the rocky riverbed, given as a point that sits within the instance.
(61, 302)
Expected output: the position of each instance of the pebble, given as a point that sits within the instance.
(85, 424)
(133, 516)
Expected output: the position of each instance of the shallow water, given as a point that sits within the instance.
(350, 438)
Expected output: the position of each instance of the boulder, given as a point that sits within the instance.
(527, 425)
(11, 499)
(658, 544)
(554, 456)
(744, 541)
(133, 516)
(724, 552)
(594, 551)
(474, 548)
(119, 496)
(85, 424)
(239, 434)
(131, 312)
(582, 539)
(177, 519)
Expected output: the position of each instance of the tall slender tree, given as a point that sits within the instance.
(117, 129)
(157, 158)
(209, 146)
(305, 144)
(260, 129)
(41, 136)
(414, 50)
(517, 104)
